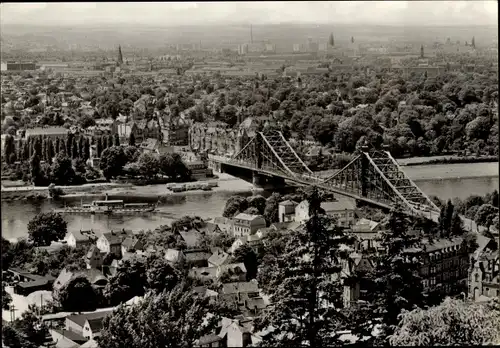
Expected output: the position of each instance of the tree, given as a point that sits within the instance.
(169, 319)
(251, 211)
(49, 151)
(27, 331)
(271, 209)
(172, 166)
(81, 145)
(9, 148)
(129, 281)
(485, 215)
(160, 275)
(35, 170)
(397, 283)
(44, 228)
(258, 202)
(452, 323)
(112, 161)
(457, 226)
(86, 121)
(69, 144)
(247, 255)
(479, 128)
(324, 130)
(234, 205)
(6, 298)
(62, 170)
(298, 273)
(445, 219)
(12, 338)
(116, 141)
(99, 147)
(148, 164)
(228, 115)
(86, 150)
(131, 139)
(78, 295)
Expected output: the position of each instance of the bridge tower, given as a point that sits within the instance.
(363, 175)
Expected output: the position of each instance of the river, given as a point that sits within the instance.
(445, 181)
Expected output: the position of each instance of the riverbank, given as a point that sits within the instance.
(417, 161)
(153, 191)
(39, 193)
(227, 183)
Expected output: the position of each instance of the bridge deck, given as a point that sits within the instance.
(305, 179)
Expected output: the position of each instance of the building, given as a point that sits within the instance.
(111, 242)
(246, 224)
(34, 283)
(367, 231)
(77, 239)
(94, 258)
(214, 138)
(131, 245)
(239, 293)
(286, 211)
(174, 130)
(218, 258)
(483, 280)
(190, 237)
(354, 291)
(152, 145)
(242, 49)
(445, 265)
(17, 66)
(66, 338)
(94, 276)
(269, 47)
(199, 169)
(342, 209)
(174, 256)
(256, 241)
(49, 132)
(88, 325)
(297, 48)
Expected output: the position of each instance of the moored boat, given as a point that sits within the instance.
(116, 206)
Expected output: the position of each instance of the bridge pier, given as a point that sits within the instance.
(276, 181)
(258, 180)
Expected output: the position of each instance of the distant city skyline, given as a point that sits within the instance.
(411, 13)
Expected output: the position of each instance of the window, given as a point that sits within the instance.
(476, 277)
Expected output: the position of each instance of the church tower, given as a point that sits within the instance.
(120, 56)
(422, 51)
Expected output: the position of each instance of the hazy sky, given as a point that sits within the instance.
(192, 13)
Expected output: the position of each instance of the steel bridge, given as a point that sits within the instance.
(372, 176)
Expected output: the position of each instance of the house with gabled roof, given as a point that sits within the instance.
(88, 325)
(197, 257)
(286, 210)
(131, 245)
(245, 224)
(218, 258)
(95, 277)
(67, 338)
(94, 258)
(234, 271)
(174, 256)
(205, 292)
(190, 237)
(239, 292)
(111, 242)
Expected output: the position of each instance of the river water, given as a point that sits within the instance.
(445, 181)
